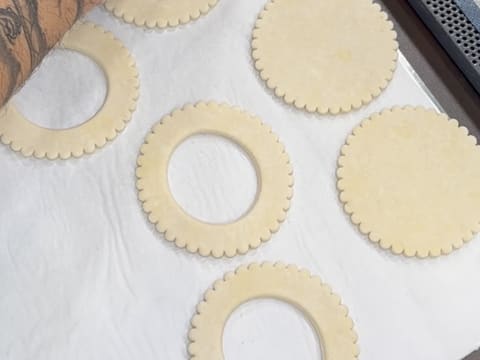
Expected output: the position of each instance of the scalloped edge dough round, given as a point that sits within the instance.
(280, 63)
(330, 320)
(274, 173)
(120, 102)
(162, 14)
(434, 167)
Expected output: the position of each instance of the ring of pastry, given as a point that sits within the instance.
(160, 14)
(274, 173)
(120, 102)
(308, 293)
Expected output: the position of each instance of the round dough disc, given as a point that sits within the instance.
(325, 55)
(120, 102)
(297, 287)
(159, 13)
(410, 179)
(274, 172)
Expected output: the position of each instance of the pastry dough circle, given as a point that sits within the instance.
(308, 293)
(272, 164)
(409, 179)
(326, 56)
(159, 13)
(122, 77)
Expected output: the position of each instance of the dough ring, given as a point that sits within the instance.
(121, 73)
(272, 164)
(326, 56)
(159, 13)
(308, 293)
(409, 179)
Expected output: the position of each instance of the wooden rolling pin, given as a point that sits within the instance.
(28, 30)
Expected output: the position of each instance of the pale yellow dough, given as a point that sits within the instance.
(122, 79)
(274, 172)
(327, 56)
(308, 293)
(159, 13)
(409, 178)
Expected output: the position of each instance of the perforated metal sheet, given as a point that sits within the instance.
(455, 32)
(471, 8)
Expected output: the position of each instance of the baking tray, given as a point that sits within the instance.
(84, 275)
(454, 30)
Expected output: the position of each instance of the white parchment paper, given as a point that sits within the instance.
(83, 275)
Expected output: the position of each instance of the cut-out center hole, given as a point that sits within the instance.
(269, 329)
(66, 90)
(212, 179)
